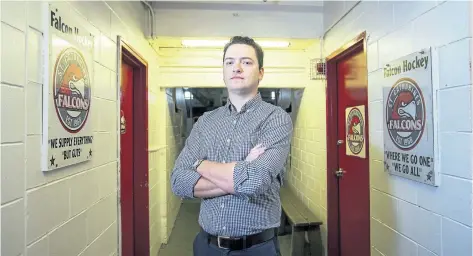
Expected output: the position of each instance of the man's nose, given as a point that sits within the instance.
(237, 68)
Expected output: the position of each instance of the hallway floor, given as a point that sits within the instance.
(187, 227)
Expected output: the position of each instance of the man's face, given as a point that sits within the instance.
(241, 71)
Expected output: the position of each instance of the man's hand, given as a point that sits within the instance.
(221, 174)
(255, 153)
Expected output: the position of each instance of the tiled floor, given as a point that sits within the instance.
(187, 227)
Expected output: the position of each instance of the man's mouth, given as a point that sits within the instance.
(237, 77)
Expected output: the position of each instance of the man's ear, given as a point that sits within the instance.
(261, 74)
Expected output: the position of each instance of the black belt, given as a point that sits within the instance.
(242, 242)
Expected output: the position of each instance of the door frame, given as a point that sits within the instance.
(333, 231)
(127, 54)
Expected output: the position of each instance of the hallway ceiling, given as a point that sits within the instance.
(269, 5)
(270, 19)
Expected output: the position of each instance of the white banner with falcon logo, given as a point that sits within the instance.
(67, 96)
(408, 122)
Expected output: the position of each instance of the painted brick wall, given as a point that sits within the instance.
(71, 211)
(409, 218)
(307, 175)
(174, 140)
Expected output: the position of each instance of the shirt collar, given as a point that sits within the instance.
(248, 106)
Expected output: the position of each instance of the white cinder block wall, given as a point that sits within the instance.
(408, 218)
(72, 211)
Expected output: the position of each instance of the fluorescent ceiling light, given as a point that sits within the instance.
(221, 43)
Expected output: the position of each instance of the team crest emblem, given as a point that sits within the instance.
(72, 90)
(355, 131)
(405, 114)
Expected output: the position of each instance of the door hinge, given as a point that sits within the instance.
(339, 142)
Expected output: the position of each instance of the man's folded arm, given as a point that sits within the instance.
(254, 177)
(206, 189)
(185, 181)
(183, 178)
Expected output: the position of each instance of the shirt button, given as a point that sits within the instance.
(224, 228)
(228, 140)
(234, 121)
(223, 161)
(223, 205)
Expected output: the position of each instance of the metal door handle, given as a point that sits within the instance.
(340, 172)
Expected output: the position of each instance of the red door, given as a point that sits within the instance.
(126, 160)
(347, 153)
(353, 160)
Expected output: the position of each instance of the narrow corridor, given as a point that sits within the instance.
(186, 228)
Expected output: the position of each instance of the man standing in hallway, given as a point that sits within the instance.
(234, 160)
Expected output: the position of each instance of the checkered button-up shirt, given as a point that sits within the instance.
(225, 135)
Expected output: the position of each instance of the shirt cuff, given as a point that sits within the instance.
(240, 174)
(191, 179)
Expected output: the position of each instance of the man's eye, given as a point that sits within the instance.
(247, 62)
(229, 63)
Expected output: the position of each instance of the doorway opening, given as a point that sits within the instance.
(134, 191)
(348, 192)
(193, 102)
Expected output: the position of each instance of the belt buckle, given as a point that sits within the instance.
(219, 243)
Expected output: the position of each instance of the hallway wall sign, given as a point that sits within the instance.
(67, 91)
(408, 126)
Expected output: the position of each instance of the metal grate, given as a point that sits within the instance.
(318, 69)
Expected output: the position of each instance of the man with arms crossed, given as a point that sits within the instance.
(234, 160)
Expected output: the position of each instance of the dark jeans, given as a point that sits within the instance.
(202, 247)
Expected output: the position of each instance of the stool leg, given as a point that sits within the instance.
(297, 242)
(315, 241)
